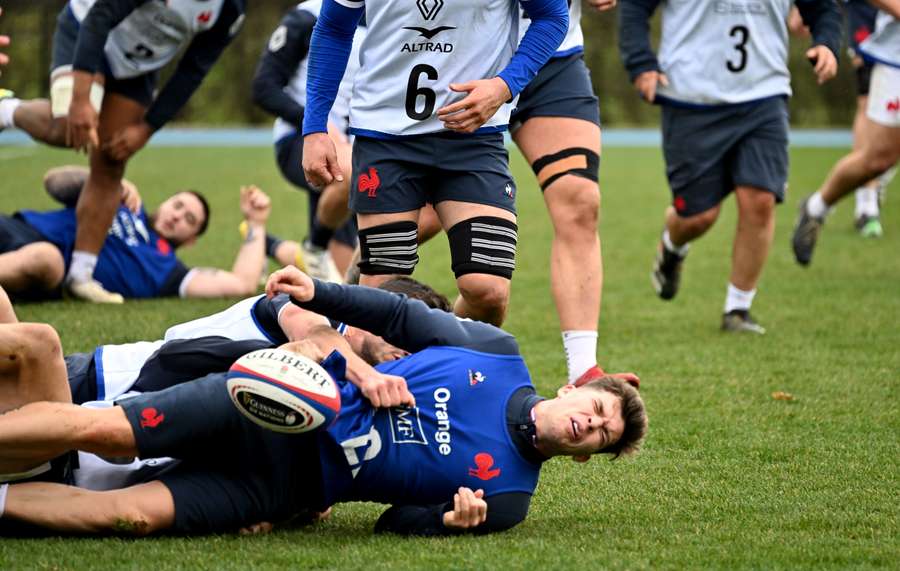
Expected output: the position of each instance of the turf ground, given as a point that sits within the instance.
(729, 477)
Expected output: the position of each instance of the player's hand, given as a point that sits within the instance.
(484, 97)
(469, 510)
(320, 164)
(260, 528)
(796, 26)
(81, 126)
(385, 391)
(4, 41)
(291, 281)
(601, 5)
(131, 198)
(255, 204)
(128, 141)
(824, 62)
(646, 83)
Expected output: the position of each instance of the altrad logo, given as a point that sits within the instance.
(429, 34)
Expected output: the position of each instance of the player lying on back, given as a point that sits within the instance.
(138, 259)
(107, 55)
(465, 456)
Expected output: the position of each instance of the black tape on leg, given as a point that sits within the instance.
(389, 249)
(577, 161)
(483, 245)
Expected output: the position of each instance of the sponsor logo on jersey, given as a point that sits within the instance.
(151, 418)
(752, 8)
(475, 377)
(406, 426)
(484, 467)
(441, 412)
(429, 34)
(429, 8)
(369, 182)
(893, 106)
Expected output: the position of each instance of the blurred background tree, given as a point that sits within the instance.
(224, 98)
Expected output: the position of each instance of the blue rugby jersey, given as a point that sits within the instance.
(455, 436)
(135, 261)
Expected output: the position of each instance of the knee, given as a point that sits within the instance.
(39, 341)
(575, 208)
(757, 207)
(879, 160)
(487, 292)
(126, 518)
(699, 223)
(45, 266)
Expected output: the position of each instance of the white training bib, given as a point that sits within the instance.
(883, 45)
(717, 52)
(236, 322)
(574, 40)
(152, 35)
(413, 51)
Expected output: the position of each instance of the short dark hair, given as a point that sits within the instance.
(414, 289)
(206, 211)
(633, 413)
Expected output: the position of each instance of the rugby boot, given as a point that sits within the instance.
(92, 291)
(319, 263)
(666, 274)
(869, 226)
(806, 232)
(740, 321)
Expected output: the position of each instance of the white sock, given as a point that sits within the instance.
(667, 242)
(866, 201)
(3, 489)
(885, 179)
(816, 206)
(8, 106)
(581, 352)
(738, 299)
(82, 268)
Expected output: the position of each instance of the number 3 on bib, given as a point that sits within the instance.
(414, 91)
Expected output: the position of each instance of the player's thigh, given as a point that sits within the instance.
(65, 38)
(882, 137)
(761, 159)
(31, 365)
(388, 177)
(119, 111)
(141, 509)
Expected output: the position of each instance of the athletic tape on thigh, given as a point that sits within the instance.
(576, 161)
(389, 249)
(483, 245)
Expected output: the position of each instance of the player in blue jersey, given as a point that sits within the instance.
(879, 149)
(428, 105)
(139, 257)
(466, 456)
(107, 55)
(723, 82)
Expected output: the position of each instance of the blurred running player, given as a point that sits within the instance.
(556, 125)
(426, 134)
(723, 82)
(106, 59)
(4, 42)
(139, 256)
(879, 149)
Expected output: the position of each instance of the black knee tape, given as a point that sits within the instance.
(576, 161)
(389, 249)
(483, 245)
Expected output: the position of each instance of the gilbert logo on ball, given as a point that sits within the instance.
(283, 391)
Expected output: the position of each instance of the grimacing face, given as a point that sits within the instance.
(179, 218)
(579, 422)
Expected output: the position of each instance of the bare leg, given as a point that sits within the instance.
(879, 151)
(7, 314)
(684, 229)
(136, 510)
(35, 118)
(41, 431)
(753, 237)
(31, 365)
(35, 266)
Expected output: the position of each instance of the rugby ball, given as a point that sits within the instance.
(283, 391)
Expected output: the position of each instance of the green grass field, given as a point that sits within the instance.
(728, 478)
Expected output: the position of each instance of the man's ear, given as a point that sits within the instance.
(564, 390)
(581, 459)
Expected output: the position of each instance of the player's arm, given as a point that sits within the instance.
(892, 7)
(500, 512)
(825, 22)
(634, 38)
(408, 324)
(287, 46)
(137, 510)
(243, 279)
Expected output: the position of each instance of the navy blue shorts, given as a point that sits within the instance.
(15, 233)
(562, 88)
(710, 151)
(139, 89)
(82, 373)
(289, 156)
(399, 175)
(233, 472)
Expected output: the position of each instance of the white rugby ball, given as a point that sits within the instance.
(283, 391)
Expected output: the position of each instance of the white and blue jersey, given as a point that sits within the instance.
(883, 46)
(573, 43)
(135, 261)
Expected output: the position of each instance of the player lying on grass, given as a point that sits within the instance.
(107, 56)
(465, 456)
(138, 258)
